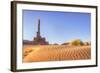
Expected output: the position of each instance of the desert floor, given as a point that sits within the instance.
(55, 53)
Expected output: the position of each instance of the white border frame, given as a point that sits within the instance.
(51, 64)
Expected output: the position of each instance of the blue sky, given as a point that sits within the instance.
(57, 27)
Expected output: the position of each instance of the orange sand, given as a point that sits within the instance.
(55, 53)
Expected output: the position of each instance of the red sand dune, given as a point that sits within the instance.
(55, 53)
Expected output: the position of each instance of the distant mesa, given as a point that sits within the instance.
(76, 42)
(38, 40)
(65, 43)
(55, 44)
(27, 42)
(87, 43)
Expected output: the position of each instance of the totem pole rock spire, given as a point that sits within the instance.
(39, 40)
(38, 32)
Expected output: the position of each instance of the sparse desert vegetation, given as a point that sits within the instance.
(32, 53)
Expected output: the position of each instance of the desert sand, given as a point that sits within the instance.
(55, 53)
